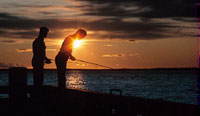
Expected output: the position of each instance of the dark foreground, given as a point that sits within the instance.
(50, 101)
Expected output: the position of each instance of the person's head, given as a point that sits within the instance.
(43, 31)
(80, 34)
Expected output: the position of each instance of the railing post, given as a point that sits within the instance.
(17, 83)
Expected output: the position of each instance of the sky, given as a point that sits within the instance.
(132, 34)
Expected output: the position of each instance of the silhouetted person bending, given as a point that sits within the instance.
(39, 58)
(64, 54)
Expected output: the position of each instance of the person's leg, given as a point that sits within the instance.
(38, 76)
(41, 77)
(60, 64)
(61, 75)
(35, 76)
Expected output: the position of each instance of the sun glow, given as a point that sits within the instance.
(77, 43)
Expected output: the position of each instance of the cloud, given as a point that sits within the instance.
(134, 17)
(113, 55)
(114, 19)
(121, 55)
(81, 64)
(22, 50)
(140, 8)
(7, 16)
(12, 34)
(111, 28)
(131, 40)
(11, 41)
(4, 65)
(8, 41)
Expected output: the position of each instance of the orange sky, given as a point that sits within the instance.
(164, 53)
(131, 36)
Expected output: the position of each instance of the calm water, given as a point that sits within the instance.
(171, 85)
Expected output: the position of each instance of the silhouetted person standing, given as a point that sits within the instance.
(64, 54)
(39, 57)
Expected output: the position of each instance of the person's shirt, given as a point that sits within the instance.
(67, 45)
(38, 51)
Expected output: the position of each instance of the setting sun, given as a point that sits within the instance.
(77, 43)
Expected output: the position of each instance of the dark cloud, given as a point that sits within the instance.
(140, 8)
(7, 16)
(23, 34)
(113, 24)
(26, 27)
(131, 40)
(130, 30)
(27, 23)
(28, 6)
(46, 13)
(26, 34)
(115, 28)
(8, 41)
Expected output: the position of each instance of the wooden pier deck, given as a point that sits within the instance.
(51, 101)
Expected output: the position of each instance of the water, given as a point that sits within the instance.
(170, 85)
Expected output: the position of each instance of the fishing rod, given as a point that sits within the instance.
(94, 63)
(91, 63)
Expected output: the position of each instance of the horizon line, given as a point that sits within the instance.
(112, 69)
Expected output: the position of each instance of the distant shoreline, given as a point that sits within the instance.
(123, 69)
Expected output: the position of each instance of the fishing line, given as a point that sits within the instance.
(92, 63)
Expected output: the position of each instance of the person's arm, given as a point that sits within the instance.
(47, 60)
(71, 57)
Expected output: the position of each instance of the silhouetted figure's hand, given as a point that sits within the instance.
(48, 61)
(73, 58)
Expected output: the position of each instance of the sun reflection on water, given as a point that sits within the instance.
(75, 81)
